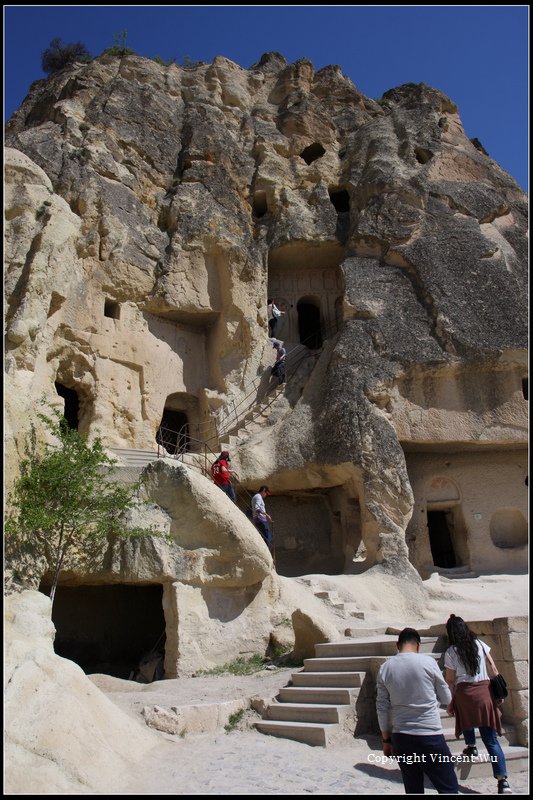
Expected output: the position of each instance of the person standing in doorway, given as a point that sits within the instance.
(222, 475)
(260, 517)
(273, 314)
(410, 686)
(467, 662)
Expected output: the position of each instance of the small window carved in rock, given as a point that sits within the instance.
(525, 388)
(312, 152)
(422, 155)
(340, 199)
(259, 204)
(111, 309)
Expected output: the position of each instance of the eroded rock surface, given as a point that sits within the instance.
(152, 210)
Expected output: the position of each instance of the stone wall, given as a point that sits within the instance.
(151, 210)
(509, 642)
(485, 495)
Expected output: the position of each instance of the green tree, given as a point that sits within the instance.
(63, 506)
(58, 55)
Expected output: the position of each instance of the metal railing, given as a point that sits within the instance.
(178, 444)
(230, 416)
(237, 411)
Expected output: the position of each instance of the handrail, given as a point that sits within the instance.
(327, 333)
(181, 441)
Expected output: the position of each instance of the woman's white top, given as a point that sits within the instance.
(452, 661)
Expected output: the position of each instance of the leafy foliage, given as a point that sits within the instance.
(163, 62)
(64, 507)
(58, 55)
(119, 48)
(233, 720)
(188, 63)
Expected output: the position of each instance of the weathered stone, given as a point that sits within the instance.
(308, 631)
(511, 624)
(515, 647)
(179, 202)
(61, 731)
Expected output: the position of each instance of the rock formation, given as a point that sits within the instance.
(62, 735)
(150, 212)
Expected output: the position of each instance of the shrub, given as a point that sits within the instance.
(64, 507)
(58, 55)
(119, 48)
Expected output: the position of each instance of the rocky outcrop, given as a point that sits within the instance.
(152, 210)
(62, 735)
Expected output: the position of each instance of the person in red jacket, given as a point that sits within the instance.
(222, 475)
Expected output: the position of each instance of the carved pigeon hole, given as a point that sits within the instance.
(111, 309)
(259, 205)
(312, 152)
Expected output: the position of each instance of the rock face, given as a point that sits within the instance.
(63, 736)
(151, 211)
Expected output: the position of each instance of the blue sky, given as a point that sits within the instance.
(477, 55)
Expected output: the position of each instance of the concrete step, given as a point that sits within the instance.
(461, 576)
(320, 695)
(134, 458)
(374, 646)
(458, 745)
(348, 664)
(452, 570)
(516, 759)
(307, 712)
(307, 732)
(363, 633)
(333, 597)
(351, 680)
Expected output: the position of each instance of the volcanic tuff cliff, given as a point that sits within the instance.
(150, 212)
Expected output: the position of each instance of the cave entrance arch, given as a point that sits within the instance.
(173, 431)
(72, 405)
(309, 324)
(114, 629)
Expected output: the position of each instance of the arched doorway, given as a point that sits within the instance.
(173, 431)
(309, 327)
(72, 405)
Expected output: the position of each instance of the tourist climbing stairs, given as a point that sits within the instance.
(334, 695)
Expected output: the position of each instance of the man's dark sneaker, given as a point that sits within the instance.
(471, 750)
(503, 787)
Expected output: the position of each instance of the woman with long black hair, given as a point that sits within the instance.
(467, 661)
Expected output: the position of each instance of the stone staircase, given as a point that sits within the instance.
(255, 418)
(335, 692)
(331, 598)
(128, 457)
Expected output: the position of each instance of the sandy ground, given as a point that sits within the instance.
(244, 761)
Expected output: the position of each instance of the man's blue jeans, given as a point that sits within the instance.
(264, 529)
(490, 740)
(429, 755)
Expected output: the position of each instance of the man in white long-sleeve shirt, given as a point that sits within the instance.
(260, 517)
(409, 688)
